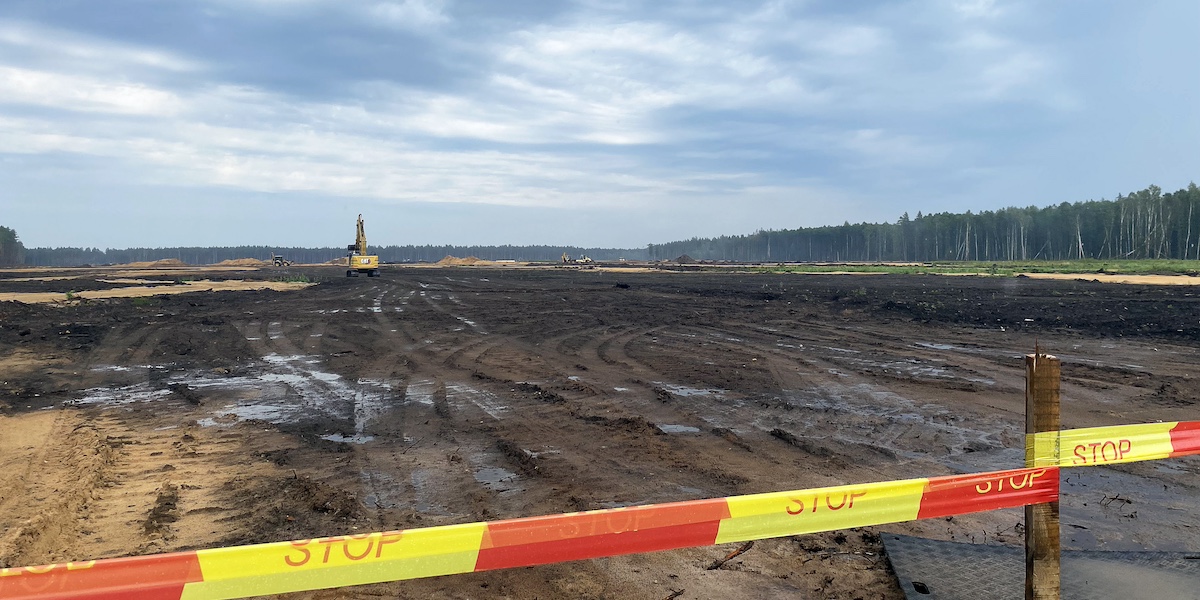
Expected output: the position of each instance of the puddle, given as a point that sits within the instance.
(497, 479)
(286, 390)
(1109, 509)
(381, 490)
(910, 367)
(486, 401)
(353, 439)
(471, 324)
(678, 429)
(621, 389)
(420, 392)
(141, 392)
(234, 413)
(683, 390)
(424, 498)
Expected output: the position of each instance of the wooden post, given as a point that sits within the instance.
(1042, 375)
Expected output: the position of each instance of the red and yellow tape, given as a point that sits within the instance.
(397, 555)
(1112, 445)
(322, 563)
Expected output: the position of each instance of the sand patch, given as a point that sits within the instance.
(1135, 279)
(138, 291)
(470, 260)
(243, 262)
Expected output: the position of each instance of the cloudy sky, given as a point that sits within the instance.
(592, 123)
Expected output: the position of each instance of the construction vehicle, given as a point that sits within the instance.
(280, 261)
(357, 259)
(582, 260)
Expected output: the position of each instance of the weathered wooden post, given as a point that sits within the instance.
(1042, 376)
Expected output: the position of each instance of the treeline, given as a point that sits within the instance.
(12, 251)
(1144, 224)
(69, 257)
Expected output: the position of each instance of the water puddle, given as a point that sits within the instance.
(665, 428)
(287, 389)
(497, 479)
(471, 324)
(683, 390)
(486, 401)
(352, 439)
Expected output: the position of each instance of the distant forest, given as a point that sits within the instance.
(12, 252)
(69, 257)
(1144, 224)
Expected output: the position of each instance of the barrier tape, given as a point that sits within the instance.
(301, 565)
(1111, 445)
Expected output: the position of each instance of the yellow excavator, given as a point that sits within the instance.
(357, 259)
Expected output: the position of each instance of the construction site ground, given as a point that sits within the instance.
(448, 395)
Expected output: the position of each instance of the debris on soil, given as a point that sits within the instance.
(186, 392)
(164, 512)
(717, 564)
(804, 445)
(525, 460)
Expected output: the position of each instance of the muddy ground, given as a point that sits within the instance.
(437, 396)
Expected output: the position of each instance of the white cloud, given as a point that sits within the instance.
(977, 9)
(410, 14)
(586, 109)
(82, 93)
(85, 52)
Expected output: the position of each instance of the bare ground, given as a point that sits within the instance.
(437, 396)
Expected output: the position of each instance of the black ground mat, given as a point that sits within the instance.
(929, 569)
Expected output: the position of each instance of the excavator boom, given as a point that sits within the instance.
(360, 240)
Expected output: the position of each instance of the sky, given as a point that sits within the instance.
(610, 123)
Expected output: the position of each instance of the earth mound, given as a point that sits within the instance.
(451, 260)
(243, 262)
(165, 262)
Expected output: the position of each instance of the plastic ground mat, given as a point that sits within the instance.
(930, 569)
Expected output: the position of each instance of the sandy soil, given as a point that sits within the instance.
(437, 396)
(1136, 279)
(137, 291)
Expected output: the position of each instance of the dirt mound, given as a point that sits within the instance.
(150, 264)
(243, 262)
(451, 260)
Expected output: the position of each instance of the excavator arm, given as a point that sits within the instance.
(360, 240)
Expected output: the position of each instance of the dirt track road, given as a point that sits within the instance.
(437, 396)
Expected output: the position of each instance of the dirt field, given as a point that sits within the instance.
(437, 396)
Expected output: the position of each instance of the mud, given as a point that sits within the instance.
(436, 396)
